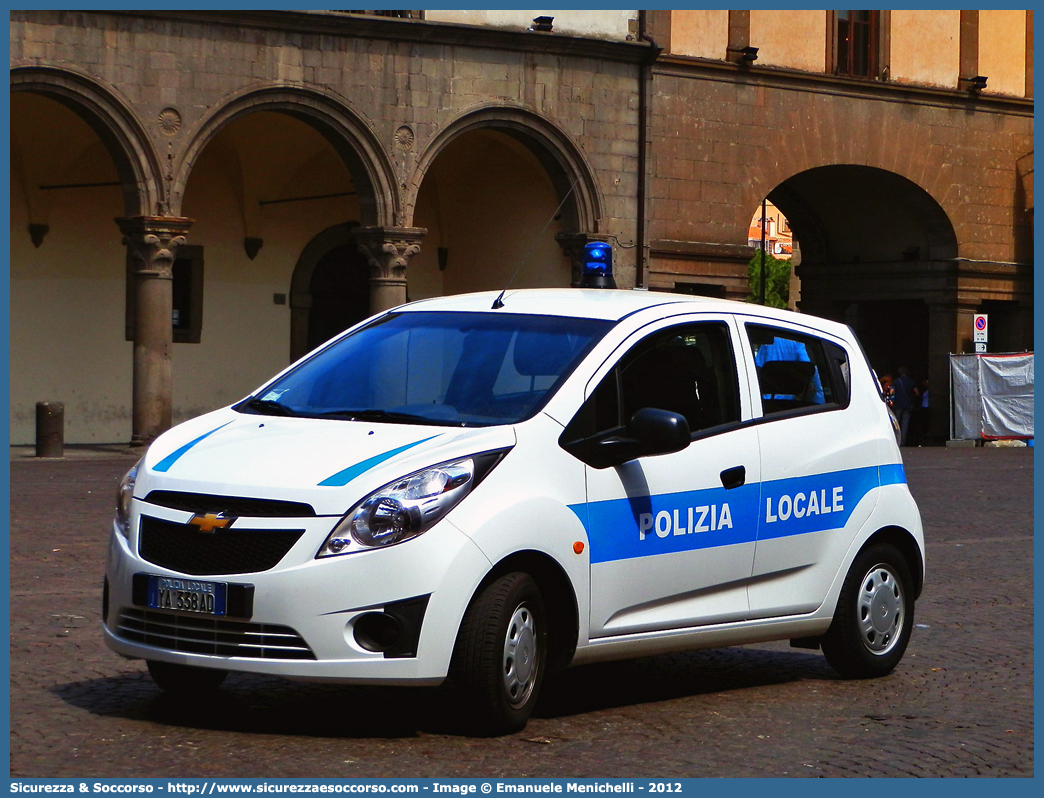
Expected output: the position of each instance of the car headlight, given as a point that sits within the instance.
(408, 507)
(124, 494)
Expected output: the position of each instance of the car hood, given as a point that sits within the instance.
(329, 464)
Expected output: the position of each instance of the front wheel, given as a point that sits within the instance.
(501, 653)
(184, 679)
(874, 615)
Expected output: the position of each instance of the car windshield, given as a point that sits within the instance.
(443, 368)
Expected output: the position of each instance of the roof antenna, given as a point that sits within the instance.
(498, 303)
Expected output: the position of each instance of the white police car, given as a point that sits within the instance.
(490, 488)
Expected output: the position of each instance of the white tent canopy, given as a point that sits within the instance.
(992, 396)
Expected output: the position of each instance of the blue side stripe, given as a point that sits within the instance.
(893, 474)
(643, 526)
(350, 473)
(834, 497)
(170, 459)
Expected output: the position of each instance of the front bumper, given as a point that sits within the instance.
(318, 600)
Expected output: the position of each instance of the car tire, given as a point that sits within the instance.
(874, 615)
(501, 654)
(185, 679)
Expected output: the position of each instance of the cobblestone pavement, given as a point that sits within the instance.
(960, 703)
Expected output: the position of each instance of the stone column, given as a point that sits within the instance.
(388, 250)
(949, 331)
(572, 245)
(152, 241)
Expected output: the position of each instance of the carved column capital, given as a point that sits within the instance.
(389, 249)
(572, 245)
(153, 241)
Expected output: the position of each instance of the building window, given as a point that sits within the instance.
(857, 43)
(187, 315)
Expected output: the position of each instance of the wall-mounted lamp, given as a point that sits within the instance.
(974, 85)
(742, 55)
(252, 246)
(542, 24)
(37, 233)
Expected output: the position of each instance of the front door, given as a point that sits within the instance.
(672, 536)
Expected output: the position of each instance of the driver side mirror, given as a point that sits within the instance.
(651, 431)
(658, 431)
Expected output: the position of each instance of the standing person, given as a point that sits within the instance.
(886, 390)
(906, 393)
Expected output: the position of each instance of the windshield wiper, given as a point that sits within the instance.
(270, 407)
(378, 415)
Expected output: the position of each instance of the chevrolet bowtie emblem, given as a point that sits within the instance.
(210, 521)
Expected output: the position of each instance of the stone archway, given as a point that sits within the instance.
(388, 245)
(510, 190)
(880, 254)
(563, 160)
(843, 212)
(115, 123)
(355, 142)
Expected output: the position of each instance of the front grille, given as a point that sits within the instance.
(235, 506)
(198, 635)
(183, 548)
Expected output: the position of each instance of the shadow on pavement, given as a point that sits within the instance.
(651, 679)
(269, 705)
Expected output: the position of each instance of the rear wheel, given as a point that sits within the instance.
(184, 679)
(501, 653)
(874, 615)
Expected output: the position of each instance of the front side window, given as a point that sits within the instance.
(797, 371)
(443, 368)
(689, 370)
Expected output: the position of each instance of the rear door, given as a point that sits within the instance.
(672, 536)
(819, 464)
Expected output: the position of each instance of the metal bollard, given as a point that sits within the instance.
(50, 429)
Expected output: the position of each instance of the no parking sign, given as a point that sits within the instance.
(980, 332)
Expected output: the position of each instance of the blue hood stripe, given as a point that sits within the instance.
(170, 459)
(350, 473)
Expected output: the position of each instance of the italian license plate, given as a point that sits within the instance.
(187, 595)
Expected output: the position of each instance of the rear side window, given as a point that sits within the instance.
(797, 371)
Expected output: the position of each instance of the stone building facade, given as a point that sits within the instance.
(275, 176)
(903, 187)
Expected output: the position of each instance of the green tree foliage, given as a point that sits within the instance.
(777, 280)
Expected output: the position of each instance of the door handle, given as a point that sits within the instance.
(733, 477)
